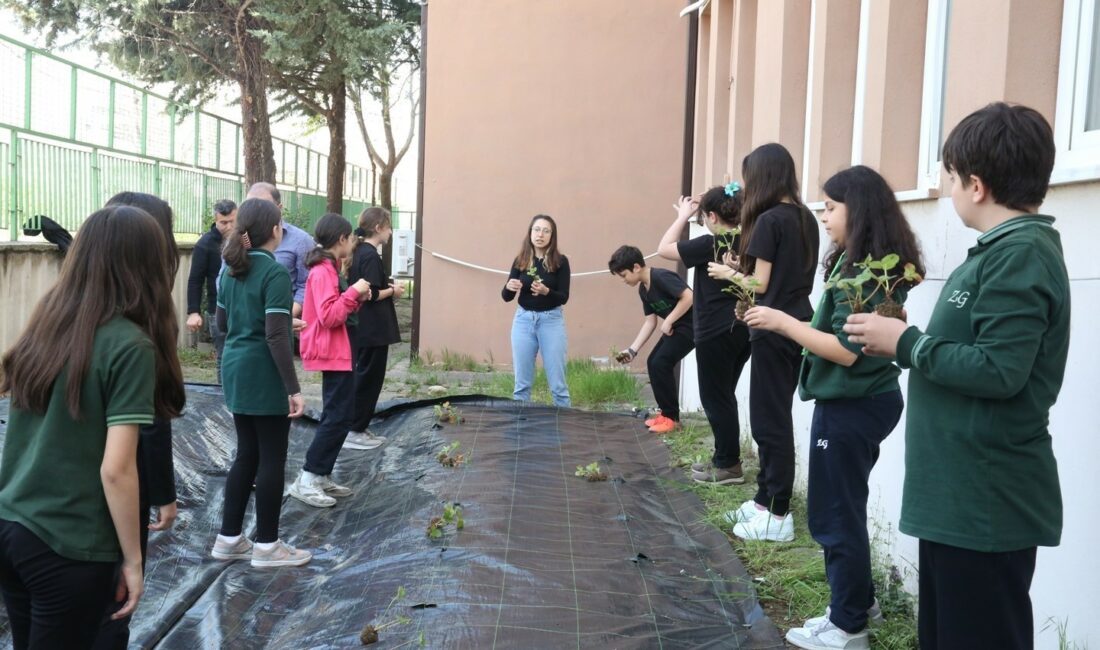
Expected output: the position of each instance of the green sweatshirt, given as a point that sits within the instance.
(980, 473)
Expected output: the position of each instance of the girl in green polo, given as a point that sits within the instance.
(260, 384)
(96, 361)
(858, 400)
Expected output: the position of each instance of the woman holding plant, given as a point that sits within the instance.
(875, 260)
(540, 276)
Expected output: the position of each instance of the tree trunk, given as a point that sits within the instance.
(385, 187)
(259, 156)
(337, 149)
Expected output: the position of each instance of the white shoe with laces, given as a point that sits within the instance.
(874, 617)
(828, 637)
(363, 441)
(747, 511)
(277, 554)
(241, 549)
(307, 489)
(765, 527)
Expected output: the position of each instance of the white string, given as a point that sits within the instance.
(471, 265)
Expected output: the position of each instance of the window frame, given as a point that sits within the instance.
(932, 96)
(1078, 156)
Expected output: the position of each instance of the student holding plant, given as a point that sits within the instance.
(664, 295)
(721, 342)
(981, 485)
(858, 399)
(777, 255)
(540, 276)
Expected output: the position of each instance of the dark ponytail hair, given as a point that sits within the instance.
(371, 221)
(330, 229)
(770, 179)
(159, 209)
(258, 218)
(728, 208)
(875, 226)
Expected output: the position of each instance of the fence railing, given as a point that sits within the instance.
(76, 136)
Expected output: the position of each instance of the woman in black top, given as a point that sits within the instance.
(721, 341)
(540, 275)
(377, 327)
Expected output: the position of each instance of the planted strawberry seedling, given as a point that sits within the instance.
(452, 516)
(449, 456)
(446, 413)
(591, 472)
(369, 634)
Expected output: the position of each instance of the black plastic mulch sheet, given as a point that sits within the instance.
(545, 560)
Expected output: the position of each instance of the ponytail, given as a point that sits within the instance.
(256, 221)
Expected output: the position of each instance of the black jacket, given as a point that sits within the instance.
(206, 263)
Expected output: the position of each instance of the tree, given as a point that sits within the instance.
(313, 61)
(197, 46)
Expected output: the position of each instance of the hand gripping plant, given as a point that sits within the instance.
(877, 273)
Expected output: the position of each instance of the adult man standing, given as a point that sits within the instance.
(296, 244)
(206, 261)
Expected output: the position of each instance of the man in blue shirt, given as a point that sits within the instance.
(296, 244)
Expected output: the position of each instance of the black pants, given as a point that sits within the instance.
(719, 361)
(370, 372)
(261, 459)
(668, 352)
(774, 376)
(338, 391)
(844, 445)
(971, 599)
(52, 601)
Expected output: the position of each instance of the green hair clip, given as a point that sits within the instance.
(732, 189)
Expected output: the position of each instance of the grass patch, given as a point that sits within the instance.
(198, 365)
(589, 385)
(789, 578)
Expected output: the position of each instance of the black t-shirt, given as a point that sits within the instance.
(712, 309)
(777, 238)
(557, 282)
(665, 289)
(377, 318)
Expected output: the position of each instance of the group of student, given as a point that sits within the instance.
(981, 487)
(94, 381)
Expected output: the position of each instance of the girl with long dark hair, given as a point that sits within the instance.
(96, 361)
(858, 399)
(540, 277)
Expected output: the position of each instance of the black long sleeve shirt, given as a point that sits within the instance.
(206, 263)
(557, 281)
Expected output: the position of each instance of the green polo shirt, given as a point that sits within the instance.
(821, 379)
(49, 474)
(980, 473)
(250, 380)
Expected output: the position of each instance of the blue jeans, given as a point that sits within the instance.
(532, 332)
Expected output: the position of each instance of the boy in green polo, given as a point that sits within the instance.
(981, 483)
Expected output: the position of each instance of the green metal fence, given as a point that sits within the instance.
(75, 136)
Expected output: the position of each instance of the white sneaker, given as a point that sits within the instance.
(363, 441)
(747, 511)
(332, 488)
(827, 637)
(226, 550)
(874, 617)
(307, 489)
(766, 528)
(279, 554)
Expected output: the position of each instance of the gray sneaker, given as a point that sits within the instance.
(223, 550)
(874, 617)
(332, 488)
(720, 476)
(363, 441)
(310, 492)
(281, 554)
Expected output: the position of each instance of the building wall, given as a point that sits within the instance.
(28, 271)
(572, 109)
(870, 78)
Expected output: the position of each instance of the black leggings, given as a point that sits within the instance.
(668, 352)
(774, 376)
(261, 459)
(52, 601)
(719, 362)
(370, 373)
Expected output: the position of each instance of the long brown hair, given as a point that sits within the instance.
(160, 210)
(257, 218)
(115, 268)
(330, 229)
(526, 257)
(770, 179)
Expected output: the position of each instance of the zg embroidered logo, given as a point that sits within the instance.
(959, 298)
(823, 443)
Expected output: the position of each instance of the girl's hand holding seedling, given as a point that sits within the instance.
(363, 287)
(877, 334)
(731, 260)
(626, 356)
(515, 284)
(539, 289)
(686, 207)
(766, 318)
(720, 271)
(398, 290)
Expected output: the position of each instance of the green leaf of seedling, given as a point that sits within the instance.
(435, 533)
(911, 274)
(890, 261)
(460, 523)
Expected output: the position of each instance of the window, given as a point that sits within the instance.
(935, 78)
(1077, 114)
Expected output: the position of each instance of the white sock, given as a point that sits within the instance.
(266, 546)
(229, 540)
(307, 477)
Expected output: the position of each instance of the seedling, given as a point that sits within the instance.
(452, 516)
(369, 634)
(724, 239)
(446, 413)
(622, 356)
(744, 288)
(591, 472)
(449, 456)
(534, 274)
(877, 272)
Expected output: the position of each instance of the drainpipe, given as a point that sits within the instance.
(688, 162)
(418, 255)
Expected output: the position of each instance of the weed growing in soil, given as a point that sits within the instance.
(591, 472)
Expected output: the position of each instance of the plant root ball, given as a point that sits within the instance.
(369, 635)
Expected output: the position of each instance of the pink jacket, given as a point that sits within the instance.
(324, 343)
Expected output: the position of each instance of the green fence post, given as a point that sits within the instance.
(111, 115)
(144, 124)
(72, 103)
(237, 149)
(95, 178)
(205, 199)
(14, 180)
(172, 132)
(218, 145)
(28, 58)
(198, 135)
(156, 177)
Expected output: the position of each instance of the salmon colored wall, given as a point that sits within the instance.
(574, 109)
